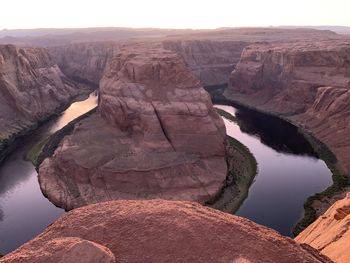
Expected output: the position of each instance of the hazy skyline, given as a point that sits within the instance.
(23, 14)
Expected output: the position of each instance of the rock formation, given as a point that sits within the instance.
(83, 61)
(331, 232)
(32, 88)
(213, 54)
(146, 141)
(64, 250)
(162, 231)
(307, 82)
(211, 61)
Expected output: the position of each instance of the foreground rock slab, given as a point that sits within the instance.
(65, 250)
(169, 231)
(330, 233)
(156, 135)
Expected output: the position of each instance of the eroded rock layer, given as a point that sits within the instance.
(156, 135)
(330, 233)
(211, 61)
(83, 61)
(32, 88)
(308, 82)
(166, 231)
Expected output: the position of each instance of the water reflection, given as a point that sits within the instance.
(288, 170)
(24, 211)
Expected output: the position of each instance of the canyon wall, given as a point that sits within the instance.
(159, 231)
(330, 233)
(306, 82)
(84, 62)
(146, 141)
(32, 88)
(211, 61)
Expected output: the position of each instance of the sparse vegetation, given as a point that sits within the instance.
(53, 141)
(9, 144)
(242, 171)
(226, 115)
(340, 182)
(34, 152)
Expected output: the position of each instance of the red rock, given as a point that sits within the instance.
(169, 231)
(307, 81)
(63, 250)
(330, 233)
(32, 88)
(147, 140)
(83, 61)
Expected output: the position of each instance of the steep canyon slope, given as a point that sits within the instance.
(307, 82)
(32, 88)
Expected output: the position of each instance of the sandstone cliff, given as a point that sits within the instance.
(146, 140)
(83, 61)
(331, 232)
(159, 231)
(308, 82)
(211, 61)
(32, 88)
(213, 54)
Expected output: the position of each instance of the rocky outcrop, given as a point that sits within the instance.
(308, 82)
(84, 62)
(64, 250)
(32, 88)
(146, 140)
(167, 231)
(331, 232)
(211, 61)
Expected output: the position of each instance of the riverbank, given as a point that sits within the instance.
(242, 171)
(7, 146)
(318, 203)
(46, 147)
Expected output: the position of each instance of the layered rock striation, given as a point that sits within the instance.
(84, 62)
(32, 88)
(156, 135)
(211, 61)
(161, 231)
(330, 233)
(307, 82)
(212, 55)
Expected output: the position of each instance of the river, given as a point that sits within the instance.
(24, 211)
(289, 171)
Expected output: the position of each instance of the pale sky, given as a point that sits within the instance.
(171, 14)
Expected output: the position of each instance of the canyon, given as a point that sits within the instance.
(32, 88)
(145, 140)
(306, 83)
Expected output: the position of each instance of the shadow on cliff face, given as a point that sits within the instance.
(272, 131)
(275, 133)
